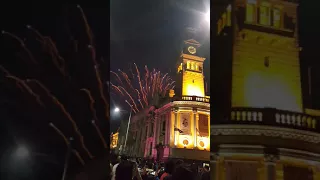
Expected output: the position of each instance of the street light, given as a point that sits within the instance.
(125, 142)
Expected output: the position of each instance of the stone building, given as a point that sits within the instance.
(176, 126)
(265, 130)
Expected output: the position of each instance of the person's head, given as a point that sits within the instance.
(179, 162)
(124, 171)
(183, 172)
(169, 166)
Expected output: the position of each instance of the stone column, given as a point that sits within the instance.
(195, 127)
(155, 135)
(175, 126)
(167, 132)
(214, 166)
(270, 162)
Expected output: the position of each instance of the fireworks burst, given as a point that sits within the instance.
(37, 86)
(140, 90)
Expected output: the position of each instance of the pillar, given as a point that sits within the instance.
(270, 163)
(167, 135)
(195, 128)
(175, 126)
(155, 135)
(316, 172)
(214, 166)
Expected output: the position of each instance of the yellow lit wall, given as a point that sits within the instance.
(192, 84)
(266, 72)
(114, 140)
(177, 140)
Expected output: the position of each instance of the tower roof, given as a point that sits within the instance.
(192, 42)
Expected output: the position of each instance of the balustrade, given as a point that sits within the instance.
(273, 117)
(194, 98)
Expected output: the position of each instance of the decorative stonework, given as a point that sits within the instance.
(191, 103)
(252, 130)
(271, 159)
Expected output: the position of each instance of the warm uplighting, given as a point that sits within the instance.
(194, 90)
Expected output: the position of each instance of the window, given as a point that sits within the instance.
(203, 125)
(188, 65)
(250, 13)
(277, 18)
(264, 14)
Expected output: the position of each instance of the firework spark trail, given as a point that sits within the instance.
(37, 33)
(125, 76)
(117, 89)
(100, 84)
(153, 83)
(138, 75)
(65, 112)
(131, 107)
(22, 44)
(133, 103)
(100, 134)
(118, 78)
(76, 153)
(4, 70)
(94, 112)
(141, 104)
(56, 56)
(88, 29)
(30, 91)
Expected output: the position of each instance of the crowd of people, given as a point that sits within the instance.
(126, 168)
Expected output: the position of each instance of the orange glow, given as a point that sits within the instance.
(194, 90)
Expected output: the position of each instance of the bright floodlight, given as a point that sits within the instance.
(116, 109)
(22, 152)
(208, 17)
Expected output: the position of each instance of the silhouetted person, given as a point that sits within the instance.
(182, 172)
(168, 169)
(206, 173)
(127, 170)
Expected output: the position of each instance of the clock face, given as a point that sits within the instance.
(192, 50)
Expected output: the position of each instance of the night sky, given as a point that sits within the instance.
(152, 34)
(147, 33)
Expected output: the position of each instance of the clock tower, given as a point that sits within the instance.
(191, 70)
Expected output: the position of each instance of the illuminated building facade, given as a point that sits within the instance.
(178, 127)
(114, 140)
(264, 131)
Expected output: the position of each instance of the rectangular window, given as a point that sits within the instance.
(250, 13)
(264, 15)
(277, 18)
(203, 125)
